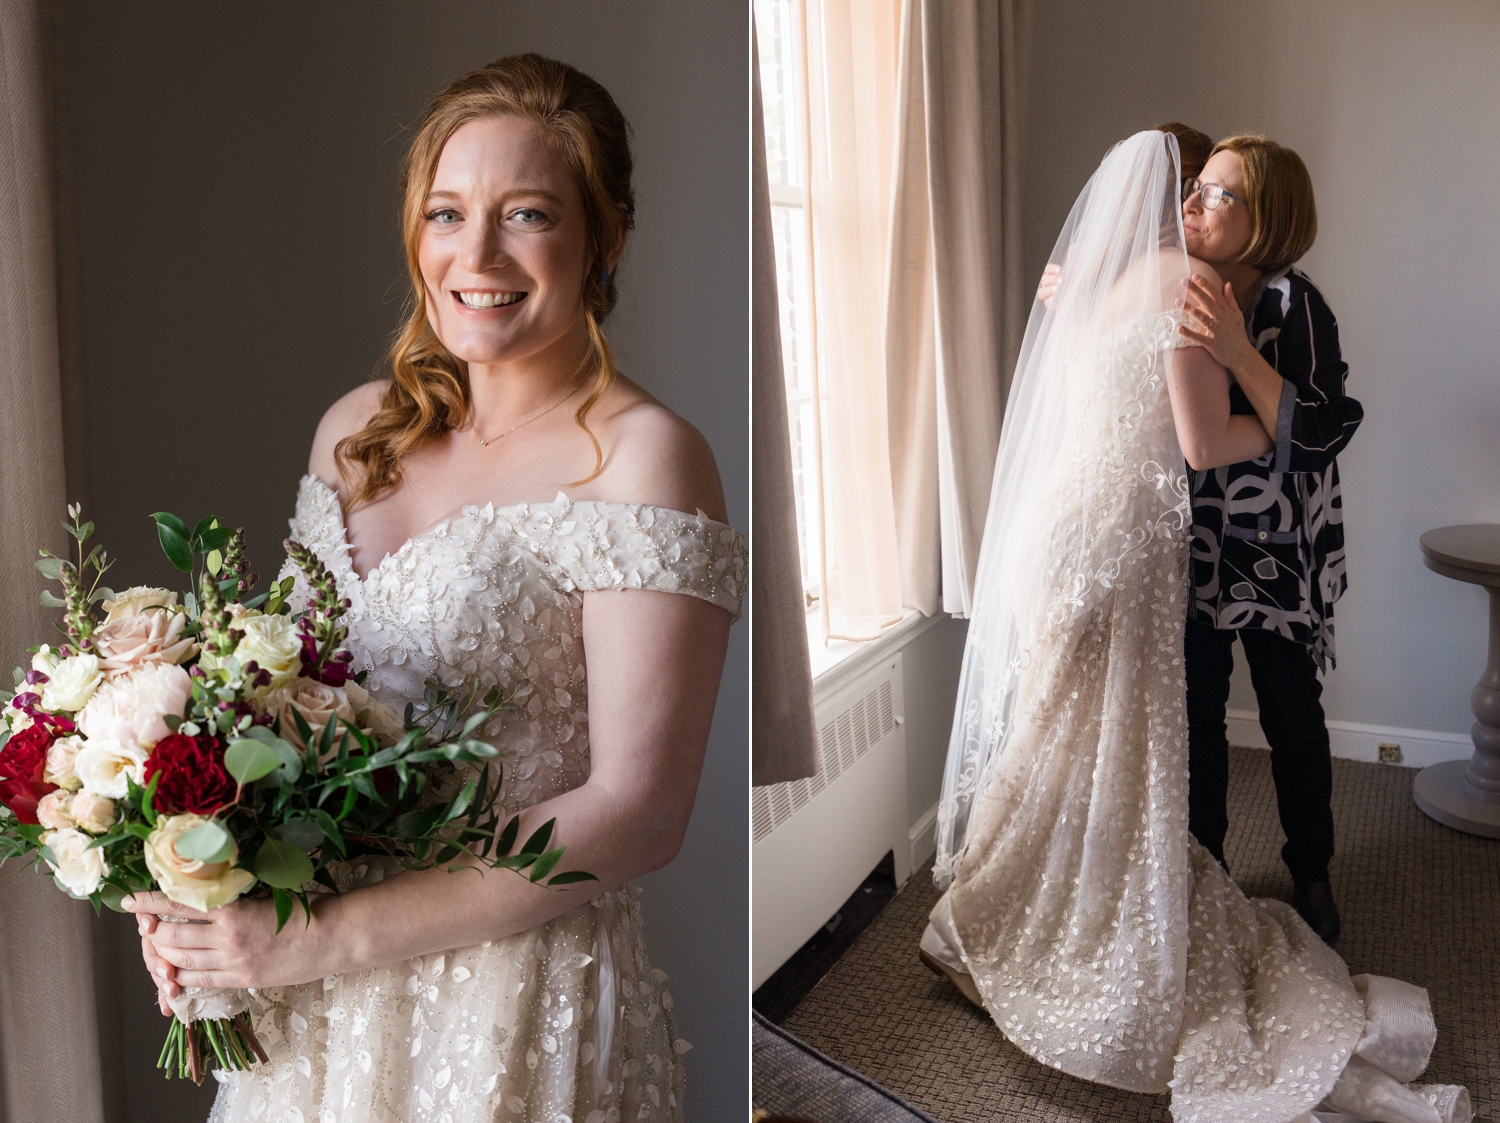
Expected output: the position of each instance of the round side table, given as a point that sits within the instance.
(1465, 794)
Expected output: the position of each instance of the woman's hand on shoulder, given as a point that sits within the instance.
(658, 458)
(344, 418)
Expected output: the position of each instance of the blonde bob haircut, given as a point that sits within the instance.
(1279, 193)
(428, 394)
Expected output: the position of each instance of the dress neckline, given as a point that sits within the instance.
(472, 510)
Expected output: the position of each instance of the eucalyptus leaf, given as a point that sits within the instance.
(51, 568)
(51, 600)
(207, 842)
(302, 833)
(282, 866)
(248, 760)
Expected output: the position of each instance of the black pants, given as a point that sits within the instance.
(1287, 688)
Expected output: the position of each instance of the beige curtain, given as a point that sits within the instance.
(956, 298)
(783, 738)
(49, 1059)
(851, 53)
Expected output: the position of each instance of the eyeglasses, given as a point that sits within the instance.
(1211, 194)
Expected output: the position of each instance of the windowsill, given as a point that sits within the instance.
(839, 661)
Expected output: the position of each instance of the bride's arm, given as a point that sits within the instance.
(654, 661)
(1210, 436)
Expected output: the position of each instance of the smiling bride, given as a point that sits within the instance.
(506, 509)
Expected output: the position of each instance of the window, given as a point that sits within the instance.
(784, 101)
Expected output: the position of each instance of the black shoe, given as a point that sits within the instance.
(1313, 900)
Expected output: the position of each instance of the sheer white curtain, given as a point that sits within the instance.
(49, 1057)
(851, 51)
(956, 299)
(783, 739)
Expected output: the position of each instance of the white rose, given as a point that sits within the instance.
(80, 869)
(103, 766)
(316, 702)
(72, 683)
(131, 708)
(55, 811)
(154, 636)
(189, 881)
(272, 644)
(93, 813)
(138, 599)
(60, 758)
(383, 720)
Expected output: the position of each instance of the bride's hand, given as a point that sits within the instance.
(1214, 321)
(237, 945)
(1048, 286)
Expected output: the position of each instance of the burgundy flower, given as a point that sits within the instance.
(335, 672)
(193, 777)
(22, 762)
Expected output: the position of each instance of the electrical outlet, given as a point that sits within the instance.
(1390, 752)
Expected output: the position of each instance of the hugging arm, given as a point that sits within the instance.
(1209, 434)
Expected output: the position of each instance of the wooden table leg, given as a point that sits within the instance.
(1465, 794)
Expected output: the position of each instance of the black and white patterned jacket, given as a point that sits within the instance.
(1268, 534)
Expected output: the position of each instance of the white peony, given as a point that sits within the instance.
(80, 869)
(136, 600)
(60, 758)
(189, 881)
(383, 720)
(55, 811)
(93, 813)
(72, 683)
(103, 766)
(131, 709)
(272, 643)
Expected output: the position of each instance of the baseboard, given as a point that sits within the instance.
(1352, 741)
(923, 838)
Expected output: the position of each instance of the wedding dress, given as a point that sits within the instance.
(567, 1022)
(1104, 940)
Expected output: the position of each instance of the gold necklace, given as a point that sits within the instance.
(535, 417)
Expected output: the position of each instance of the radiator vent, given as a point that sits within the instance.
(841, 742)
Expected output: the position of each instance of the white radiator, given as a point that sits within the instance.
(817, 839)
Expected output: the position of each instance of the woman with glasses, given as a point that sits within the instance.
(1268, 535)
(1080, 912)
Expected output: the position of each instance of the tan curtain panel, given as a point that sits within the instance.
(851, 53)
(783, 738)
(49, 1060)
(956, 297)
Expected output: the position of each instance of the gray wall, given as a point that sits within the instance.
(236, 168)
(1393, 107)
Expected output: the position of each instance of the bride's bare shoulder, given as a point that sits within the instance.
(656, 457)
(345, 417)
(1206, 271)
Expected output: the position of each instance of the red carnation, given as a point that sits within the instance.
(22, 762)
(193, 777)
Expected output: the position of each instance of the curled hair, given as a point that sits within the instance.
(429, 393)
(1279, 194)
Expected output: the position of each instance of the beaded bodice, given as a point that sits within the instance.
(494, 597)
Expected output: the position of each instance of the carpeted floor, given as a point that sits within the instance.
(1419, 902)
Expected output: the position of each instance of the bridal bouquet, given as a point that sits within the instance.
(218, 745)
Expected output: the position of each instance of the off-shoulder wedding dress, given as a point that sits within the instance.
(567, 1022)
(1103, 939)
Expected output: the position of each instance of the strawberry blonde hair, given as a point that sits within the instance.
(1283, 212)
(428, 394)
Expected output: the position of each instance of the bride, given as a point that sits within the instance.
(476, 996)
(1080, 913)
